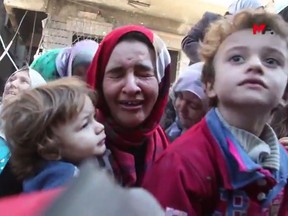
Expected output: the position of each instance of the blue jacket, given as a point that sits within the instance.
(53, 174)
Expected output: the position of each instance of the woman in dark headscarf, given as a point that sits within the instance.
(130, 71)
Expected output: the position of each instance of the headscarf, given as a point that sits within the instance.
(46, 66)
(239, 5)
(190, 80)
(58, 63)
(120, 140)
(36, 78)
(81, 53)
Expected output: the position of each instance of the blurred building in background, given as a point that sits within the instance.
(52, 24)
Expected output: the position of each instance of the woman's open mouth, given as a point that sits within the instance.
(131, 105)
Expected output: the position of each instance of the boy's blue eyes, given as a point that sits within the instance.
(241, 59)
(272, 61)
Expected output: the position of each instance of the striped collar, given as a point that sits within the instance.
(263, 150)
(242, 170)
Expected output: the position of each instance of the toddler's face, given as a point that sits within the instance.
(83, 136)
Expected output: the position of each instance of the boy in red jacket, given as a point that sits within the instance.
(231, 163)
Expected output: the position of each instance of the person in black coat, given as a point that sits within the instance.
(190, 43)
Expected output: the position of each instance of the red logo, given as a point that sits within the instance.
(262, 28)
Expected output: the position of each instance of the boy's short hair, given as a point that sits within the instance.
(31, 118)
(221, 29)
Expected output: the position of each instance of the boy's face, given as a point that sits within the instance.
(83, 136)
(250, 70)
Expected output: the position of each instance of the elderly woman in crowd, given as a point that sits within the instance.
(69, 61)
(191, 102)
(23, 79)
(131, 74)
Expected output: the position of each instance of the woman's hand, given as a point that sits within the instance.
(284, 142)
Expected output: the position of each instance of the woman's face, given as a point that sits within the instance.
(15, 84)
(130, 86)
(189, 109)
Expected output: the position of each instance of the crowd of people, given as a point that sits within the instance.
(94, 124)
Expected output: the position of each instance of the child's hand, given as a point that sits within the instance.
(284, 142)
